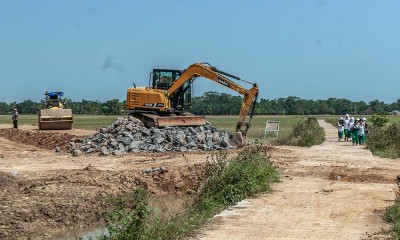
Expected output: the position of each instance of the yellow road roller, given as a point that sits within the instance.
(54, 116)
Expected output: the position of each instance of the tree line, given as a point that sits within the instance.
(213, 103)
(110, 107)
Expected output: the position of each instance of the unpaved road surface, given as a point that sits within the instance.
(331, 191)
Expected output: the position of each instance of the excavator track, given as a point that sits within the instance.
(153, 120)
(55, 119)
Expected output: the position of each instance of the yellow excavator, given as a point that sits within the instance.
(166, 101)
(54, 116)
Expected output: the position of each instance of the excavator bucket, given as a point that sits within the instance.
(55, 119)
(152, 120)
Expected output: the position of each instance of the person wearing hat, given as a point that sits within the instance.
(346, 128)
(15, 118)
(340, 128)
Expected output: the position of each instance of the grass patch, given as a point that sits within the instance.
(384, 141)
(294, 130)
(256, 131)
(392, 215)
(223, 183)
(332, 121)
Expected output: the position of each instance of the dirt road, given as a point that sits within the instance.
(331, 191)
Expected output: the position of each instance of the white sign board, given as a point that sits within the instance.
(271, 126)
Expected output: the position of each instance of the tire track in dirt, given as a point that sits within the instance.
(330, 191)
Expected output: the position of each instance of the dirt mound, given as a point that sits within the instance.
(39, 139)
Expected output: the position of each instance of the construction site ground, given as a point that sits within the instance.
(331, 191)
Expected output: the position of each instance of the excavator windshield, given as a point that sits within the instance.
(164, 78)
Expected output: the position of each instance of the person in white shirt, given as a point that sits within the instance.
(351, 129)
(365, 126)
(347, 136)
(340, 128)
(361, 133)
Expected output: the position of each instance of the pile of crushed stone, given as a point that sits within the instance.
(129, 135)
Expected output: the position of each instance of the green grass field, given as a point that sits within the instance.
(227, 123)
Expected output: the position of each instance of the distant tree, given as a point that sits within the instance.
(4, 108)
(376, 106)
(28, 107)
(214, 103)
(112, 107)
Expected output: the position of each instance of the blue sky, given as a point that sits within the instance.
(312, 49)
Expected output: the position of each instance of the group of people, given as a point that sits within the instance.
(353, 130)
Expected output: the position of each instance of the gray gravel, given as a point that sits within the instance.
(129, 135)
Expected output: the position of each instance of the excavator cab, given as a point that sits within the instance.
(164, 78)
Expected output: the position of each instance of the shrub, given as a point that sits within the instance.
(223, 183)
(227, 182)
(384, 141)
(392, 215)
(129, 218)
(379, 120)
(332, 121)
(307, 133)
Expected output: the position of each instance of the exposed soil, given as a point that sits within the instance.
(44, 194)
(38, 139)
(331, 191)
(46, 139)
(75, 198)
(34, 128)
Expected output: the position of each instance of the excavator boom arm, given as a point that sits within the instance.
(209, 72)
